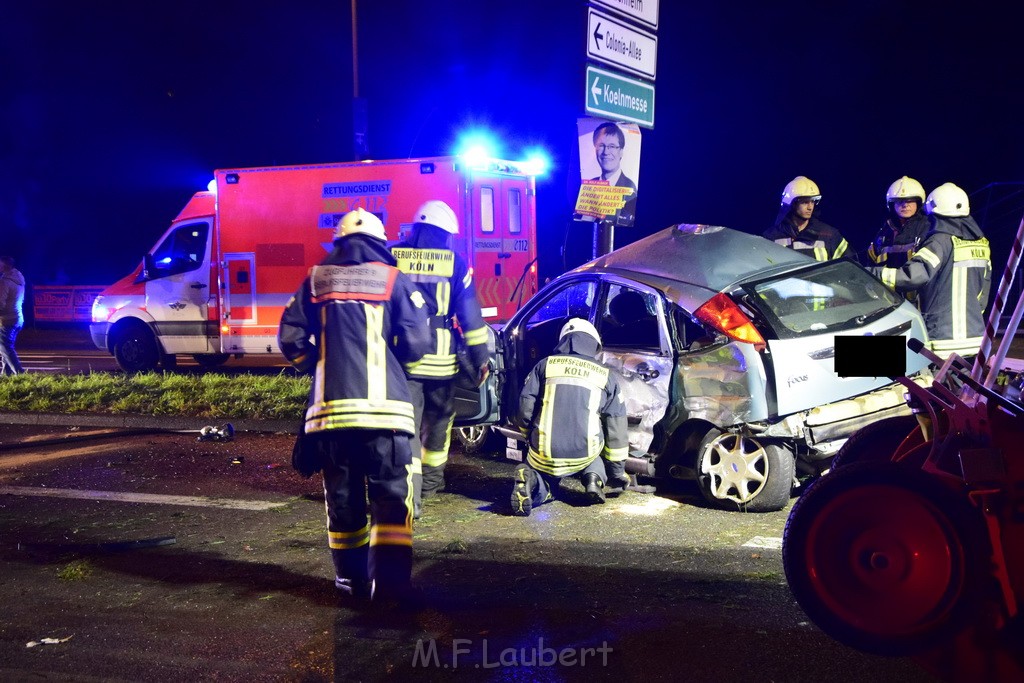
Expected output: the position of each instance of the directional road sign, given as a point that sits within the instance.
(644, 11)
(614, 42)
(620, 98)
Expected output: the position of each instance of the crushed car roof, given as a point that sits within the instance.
(712, 257)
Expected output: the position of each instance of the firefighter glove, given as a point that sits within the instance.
(306, 456)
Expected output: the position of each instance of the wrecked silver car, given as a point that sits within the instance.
(724, 344)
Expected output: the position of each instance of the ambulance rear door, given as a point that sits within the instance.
(503, 245)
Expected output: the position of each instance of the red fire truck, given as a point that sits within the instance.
(216, 282)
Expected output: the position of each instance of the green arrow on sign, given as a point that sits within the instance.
(619, 97)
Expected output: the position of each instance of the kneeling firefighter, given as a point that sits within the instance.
(574, 413)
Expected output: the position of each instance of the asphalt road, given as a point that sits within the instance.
(160, 557)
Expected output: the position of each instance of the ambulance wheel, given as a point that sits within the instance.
(135, 348)
(741, 473)
(474, 440)
(877, 441)
(884, 558)
(211, 360)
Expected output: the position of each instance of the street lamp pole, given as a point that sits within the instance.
(360, 145)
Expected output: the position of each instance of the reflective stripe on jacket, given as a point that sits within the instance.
(443, 278)
(952, 273)
(365, 319)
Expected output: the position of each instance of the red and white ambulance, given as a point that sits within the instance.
(216, 282)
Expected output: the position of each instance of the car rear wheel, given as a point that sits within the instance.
(877, 441)
(885, 559)
(135, 349)
(736, 472)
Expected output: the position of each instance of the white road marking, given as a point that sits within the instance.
(158, 499)
(769, 542)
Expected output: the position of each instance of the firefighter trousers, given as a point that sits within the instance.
(434, 411)
(547, 484)
(378, 463)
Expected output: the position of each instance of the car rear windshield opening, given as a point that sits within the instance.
(832, 297)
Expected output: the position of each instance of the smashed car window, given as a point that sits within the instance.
(832, 296)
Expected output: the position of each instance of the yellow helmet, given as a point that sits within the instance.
(905, 188)
(798, 187)
(360, 222)
(948, 200)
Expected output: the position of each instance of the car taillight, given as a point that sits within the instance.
(724, 315)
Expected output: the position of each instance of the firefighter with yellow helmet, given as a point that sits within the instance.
(576, 422)
(951, 272)
(905, 227)
(446, 284)
(796, 226)
(353, 324)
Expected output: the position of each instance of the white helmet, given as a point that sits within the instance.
(438, 214)
(579, 325)
(948, 200)
(798, 187)
(905, 188)
(360, 222)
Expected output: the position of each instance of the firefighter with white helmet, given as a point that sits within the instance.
(574, 413)
(952, 273)
(353, 323)
(446, 283)
(796, 226)
(905, 226)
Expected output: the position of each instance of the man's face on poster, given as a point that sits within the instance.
(609, 152)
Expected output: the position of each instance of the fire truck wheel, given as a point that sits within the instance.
(877, 441)
(885, 558)
(474, 440)
(742, 473)
(135, 349)
(211, 360)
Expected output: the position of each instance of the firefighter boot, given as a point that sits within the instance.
(525, 483)
(594, 487)
(350, 572)
(433, 480)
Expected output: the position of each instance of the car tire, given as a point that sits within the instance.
(135, 349)
(211, 360)
(742, 473)
(476, 439)
(875, 442)
(884, 558)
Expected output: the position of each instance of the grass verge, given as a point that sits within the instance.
(211, 395)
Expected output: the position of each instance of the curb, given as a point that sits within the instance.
(148, 422)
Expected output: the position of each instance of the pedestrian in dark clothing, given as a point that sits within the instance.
(797, 228)
(573, 413)
(12, 318)
(352, 324)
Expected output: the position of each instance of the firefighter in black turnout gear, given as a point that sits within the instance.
(353, 323)
(574, 413)
(797, 228)
(905, 225)
(446, 284)
(951, 272)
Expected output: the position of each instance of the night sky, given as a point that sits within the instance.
(114, 113)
